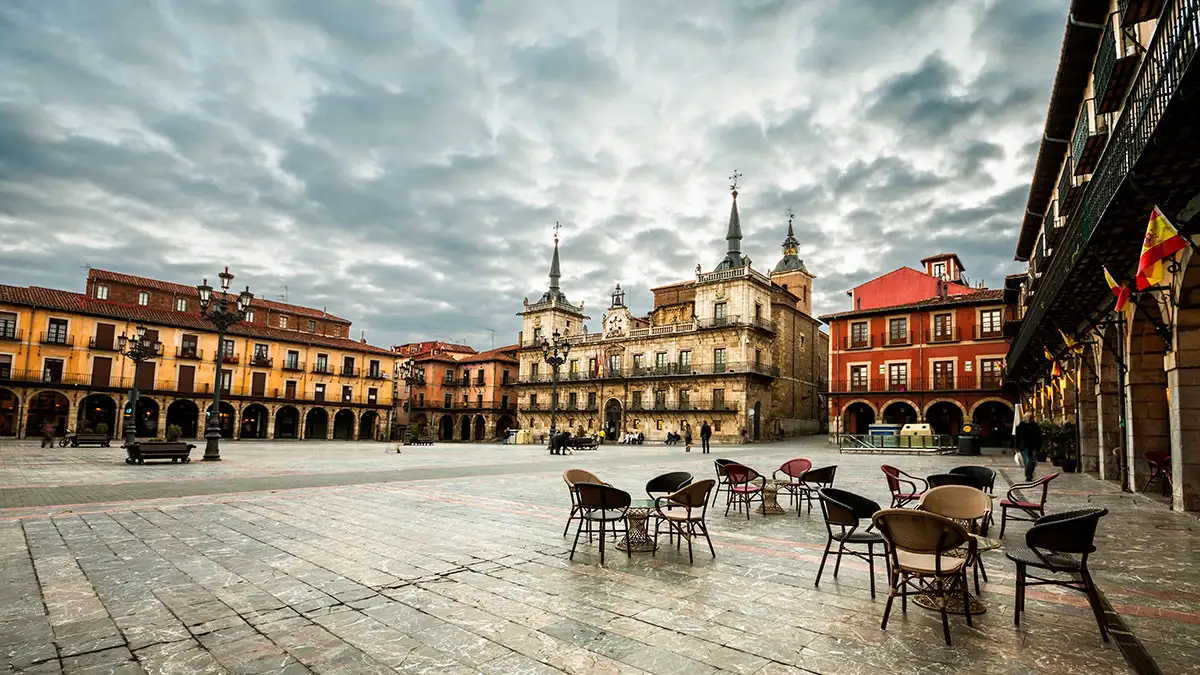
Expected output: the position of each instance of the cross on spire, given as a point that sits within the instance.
(733, 182)
(556, 226)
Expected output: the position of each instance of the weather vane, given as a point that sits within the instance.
(790, 215)
(733, 185)
(556, 226)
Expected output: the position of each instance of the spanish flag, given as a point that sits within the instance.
(1162, 241)
(1072, 345)
(1122, 290)
(1056, 372)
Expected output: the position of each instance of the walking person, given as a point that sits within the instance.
(705, 435)
(687, 437)
(1029, 442)
(48, 431)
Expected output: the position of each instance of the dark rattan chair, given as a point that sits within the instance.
(919, 544)
(813, 480)
(985, 476)
(722, 479)
(1159, 462)
(745, 485)
(600, 506)
(940, 479)
(844, 512)
(903, 486)
(668, 483)
(1032, 510)
(571, 477)
(794, 469)
(684, 512)
(1060, 544)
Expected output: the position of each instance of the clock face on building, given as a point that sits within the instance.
(614, 324)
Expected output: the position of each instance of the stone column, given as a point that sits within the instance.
(1089, 437)
(1146, 411)
(354, 430)
(73, 421)
(1108, 412)
(1183, 387)
(271, 410)
(302, 416)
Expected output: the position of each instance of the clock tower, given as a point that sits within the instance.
(618, 319)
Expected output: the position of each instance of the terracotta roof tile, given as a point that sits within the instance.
(498, 354)
(181, 289)
(978, 297)
(77, 302)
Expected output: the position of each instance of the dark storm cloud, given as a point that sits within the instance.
(404, 166)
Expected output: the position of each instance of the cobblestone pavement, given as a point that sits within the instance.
(342, 558)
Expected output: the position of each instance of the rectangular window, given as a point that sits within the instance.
(660, 362)
(718, 399)
(312, 326)
(685, 361)
(250, 316)
(898, 376)
(189, 346)
(101, 292)
(479, 377)
(56, 332)
(143, 298)
(898, 331)
(262, 354)
(373, 369)
(347, 394)
(226, 381)
(942, 329)
(292, 362)
(719, 312)
(614, 365)
(638, 363)
(858, 378)
(504, 402)
(660, 399)
(990, 323)
(537, 334)
(716, 425)
(757, 359)
(289, 389)
(572, 400)
(348, 366)
(591, 400)
(939, 270)
(719, 360)
(322, 363)
(283, 322)
(685, 399)
(991, 373)
(504, 377)
(533, 401)
(636, 403)
(593, 368)
(943, 375)
(227, 350)
(180, 304)
(448, 401)
(758, 312)
(8, 326)
(52, 370)
(574, 369)
(533, 370)
(319, 391)
(859, 338)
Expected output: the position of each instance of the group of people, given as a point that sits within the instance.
(706, 432)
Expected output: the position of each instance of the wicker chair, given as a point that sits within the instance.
(571, 477)
(600, 506)
(1159, 463)
(1032, 510)
(722, 478)
(1060, 544)
(984, 476)
(794, 469)
(967, 506)
(684, 512)
(903, 486)
(942, 479)
(813, 480)
(667, 483)
(745, 484)
(919, 545)
(843, 512)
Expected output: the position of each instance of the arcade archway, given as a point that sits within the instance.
(900, 412)
(480, 428)
(146, 418)
(464, 428)
(47, 407)
(226, 418)
(95, 410)
(612, 419)
(446, 428)
(343, 425)
(368, 425)
(316, 424)
(995, 420)
(183, 414)
(857, 418)
(254, 421)
(9, 405)
(945, 418)
(504, 424)
(287, 422)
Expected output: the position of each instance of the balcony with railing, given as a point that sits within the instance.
(667, 371)
(1070, 188)
(985, 332)
(947, 334)
(1116, 61)
(900, 338)
(102, 346)
(322, 369)
(1091, 133)
(57, 338)
(1136, 11)
(292, 365)
(937, 383)
(375, 374)
(8, 331)
(47, 376)
(862, 341)
(189, 353)
(348, 372)
(262, 361)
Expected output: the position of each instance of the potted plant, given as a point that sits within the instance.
(1060, 443)
(174, 432)
(102, 429)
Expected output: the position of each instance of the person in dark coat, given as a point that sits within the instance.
(705, 435)
(1029, 442)
(687, 437)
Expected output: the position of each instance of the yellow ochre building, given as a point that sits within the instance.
(285, 372)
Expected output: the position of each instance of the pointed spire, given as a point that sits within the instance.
(555, 272)
(791, 260)
(734, 234)
(790, 244)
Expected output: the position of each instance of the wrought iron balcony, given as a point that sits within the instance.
(376, 375)
(322, 369)
(227, 357)
(293, 365)
(946, 382)
(348, 372)
(1116, 63)
(988, 332)
(56, 338)
(9, 331)
(1136, 11)
(1069, 191)
(951, 334)
(857, 341)
(1090, 136)
(901, 338)
(106, 346)
(189, 353)
(262, 361)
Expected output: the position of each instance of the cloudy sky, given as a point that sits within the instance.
(403, 162)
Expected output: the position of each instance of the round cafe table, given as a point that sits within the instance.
(637, 539)
(770, 498)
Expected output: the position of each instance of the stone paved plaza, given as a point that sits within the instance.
(344, 558)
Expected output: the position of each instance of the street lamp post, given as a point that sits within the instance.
(554, 353)
(412, 376)
(222, 312)
(138, 349)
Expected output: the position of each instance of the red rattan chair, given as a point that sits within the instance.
(903, 486)
(1032, 510)
(745, 485)
(794, 469)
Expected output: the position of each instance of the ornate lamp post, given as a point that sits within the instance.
(222, 312)
(138, 349)
(412, 376)
(554, 353)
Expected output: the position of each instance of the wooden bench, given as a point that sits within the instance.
(138, 453)
(100, 440)
(422, 439)
(583, 443)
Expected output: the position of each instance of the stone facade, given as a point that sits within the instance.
(733, 346)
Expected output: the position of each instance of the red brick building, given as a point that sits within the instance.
(467, 396)
(920, 346)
